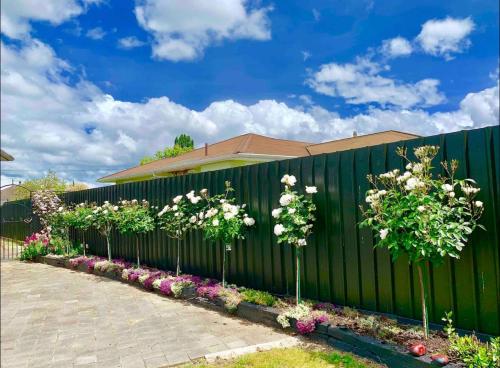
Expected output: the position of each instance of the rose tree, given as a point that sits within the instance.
(294, 221)
(45, 203)
(59, 222)
(183, 214)
(81, 219)
(103, 219)
(425, 217)
(134, 218)
(225, 221)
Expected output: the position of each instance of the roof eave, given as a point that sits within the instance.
(189, 164)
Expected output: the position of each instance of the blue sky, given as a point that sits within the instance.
(94, 85)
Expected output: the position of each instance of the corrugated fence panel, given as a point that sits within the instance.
(340, 263)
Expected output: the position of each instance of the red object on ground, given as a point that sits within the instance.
(440, 359)
(418, 349)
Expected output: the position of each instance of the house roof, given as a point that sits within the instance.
(252, 146)
(359, 141)
(8, 193)
(245, 146)
(4, 156)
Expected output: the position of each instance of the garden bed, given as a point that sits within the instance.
(342, 330)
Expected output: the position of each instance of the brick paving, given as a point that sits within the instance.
(54, 317)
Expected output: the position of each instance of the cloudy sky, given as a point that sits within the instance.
(88, 87)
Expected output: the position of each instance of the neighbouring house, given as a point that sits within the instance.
(7, 194)
(243, 150)
(5, 156)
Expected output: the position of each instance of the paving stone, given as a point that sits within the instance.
(54, 317)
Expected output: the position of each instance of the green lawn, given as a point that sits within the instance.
(291, 358)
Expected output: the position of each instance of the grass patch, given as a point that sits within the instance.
(291, 358)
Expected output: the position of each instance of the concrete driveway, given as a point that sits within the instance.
(54, 317)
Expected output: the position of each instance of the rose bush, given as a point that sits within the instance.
(225, 221)
(424, 216)
(294, 220)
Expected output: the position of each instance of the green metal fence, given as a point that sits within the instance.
(340, 263)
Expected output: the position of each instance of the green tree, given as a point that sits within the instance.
(81, 219)
(134, 218)
(182, 144)
(48, 182)
(184, 141)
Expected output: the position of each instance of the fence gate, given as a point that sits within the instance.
(15, 227)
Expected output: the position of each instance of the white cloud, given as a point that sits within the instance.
(445, 37)
(396, 47)
(183, 29)
(361, 83)
(17, 14)
(130, 42)
(45, 119)
(306, 55)
(96, 33)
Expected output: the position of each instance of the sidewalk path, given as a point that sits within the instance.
(54, 317)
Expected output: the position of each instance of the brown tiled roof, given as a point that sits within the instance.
(247, 145)
(359, 141)
(253, 144)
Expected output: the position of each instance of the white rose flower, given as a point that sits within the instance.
(204, 191)
(177, 199)
(291, 211)
(276, 212)
(421, 208)
(409, 166)
(175, 207)
(311, 190)
(228, 215)
(279, 229)
(215, 222)
(115, 208)
(302, 243)
(286, 199)
(105, 212)
(447, 187)
(195, 200)
(478, 204)
(192, 219)
(249, 221)
(383, 233)
(451, 194)
(190, 194)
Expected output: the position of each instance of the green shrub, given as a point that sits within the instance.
(470, 350)
(258, 297)
(30, 252)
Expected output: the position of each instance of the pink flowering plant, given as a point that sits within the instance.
(45, 203)
(135, 218)
(306, 318)
(225, 221)
(294, 220)
(37, 244)
(182, 215)
(424, 216)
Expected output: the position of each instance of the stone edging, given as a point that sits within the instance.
(342, 338)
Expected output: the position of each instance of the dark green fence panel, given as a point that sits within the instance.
(340, 263)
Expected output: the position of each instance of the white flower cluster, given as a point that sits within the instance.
(297, 312)
(470, 190)
(287, 215)
(193, 198)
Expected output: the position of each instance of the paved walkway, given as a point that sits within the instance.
(54, 317)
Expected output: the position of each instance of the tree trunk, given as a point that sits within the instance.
(137, 250)
(109, 247)
(224, 251)
(83, 239)
(297, 284)
(178, 270)
(423, 297)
